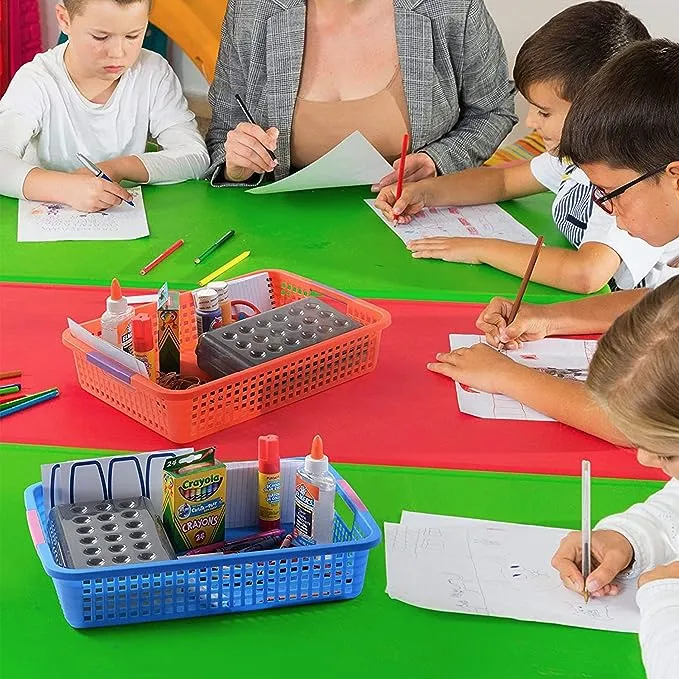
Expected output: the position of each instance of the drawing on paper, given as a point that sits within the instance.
(579, 374)
(477, 221)
(42, 221)
(492, 568)
(562, 358)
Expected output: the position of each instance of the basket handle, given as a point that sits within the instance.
(120, 372)
(351, 495)
(35, 528)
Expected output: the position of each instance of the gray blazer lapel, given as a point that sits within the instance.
(416, 55)
(285, 49)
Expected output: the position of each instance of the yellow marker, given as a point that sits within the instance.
(226, 267)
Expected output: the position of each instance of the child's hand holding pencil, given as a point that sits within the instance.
(532, 323)
(612, 553)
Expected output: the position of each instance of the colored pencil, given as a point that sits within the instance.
(97, 172)
(24, 399)
(11, 373)
(226, 267)
(29, 404)
(524, 282)
(214, 246)
(586, 525)
(402, 165)
(163, 255)
(251, 120)
(10, 389)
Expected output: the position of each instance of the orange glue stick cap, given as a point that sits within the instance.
(142, 333)
(268, 456)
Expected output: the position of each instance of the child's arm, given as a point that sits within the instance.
(585, 270)
(183, 153)
(535, 321)
(651, 527)
(658, 600)
(476, 186)
(567, 401)
(21, 111)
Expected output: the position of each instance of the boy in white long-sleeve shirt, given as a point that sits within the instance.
(99, 94)
(634, 377)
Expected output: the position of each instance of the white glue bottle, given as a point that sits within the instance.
(116, 321)
(314, 498)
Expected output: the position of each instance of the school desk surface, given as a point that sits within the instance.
(368, 636)
(330, 236)
(400, 414)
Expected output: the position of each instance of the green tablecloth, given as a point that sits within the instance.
(330, 236)
(369, 636)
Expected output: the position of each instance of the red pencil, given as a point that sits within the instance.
(402, 165)
(161, 257)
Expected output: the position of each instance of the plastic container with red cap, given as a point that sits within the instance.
(144, 345)
(269, 465)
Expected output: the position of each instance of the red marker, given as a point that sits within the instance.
(269, 464)
(161, 257)
(402, 165)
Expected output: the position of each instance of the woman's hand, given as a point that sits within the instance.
(612, 553)
(247, 151)
(478, 367)
(418, 166)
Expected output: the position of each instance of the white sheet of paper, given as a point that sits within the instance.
(104, 347)
(496, 569)
(118, 476)
(478, 221)
(565, 358)
(41, 222)
(353, 162)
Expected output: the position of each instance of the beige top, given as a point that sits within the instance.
(318, 126)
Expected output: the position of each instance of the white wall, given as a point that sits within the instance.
(516, 19)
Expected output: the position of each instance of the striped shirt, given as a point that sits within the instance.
(581, 221)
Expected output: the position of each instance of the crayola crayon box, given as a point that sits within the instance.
(194, 499)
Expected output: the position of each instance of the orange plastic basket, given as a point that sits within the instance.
(184, 416)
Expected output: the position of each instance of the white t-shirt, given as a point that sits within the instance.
(45, 121)
(652, 528)
(582, 221)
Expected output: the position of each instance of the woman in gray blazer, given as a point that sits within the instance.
(445, 59)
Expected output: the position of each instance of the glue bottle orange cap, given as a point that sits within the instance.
(317, 448)
(116, 292)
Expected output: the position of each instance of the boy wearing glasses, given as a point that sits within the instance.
(551, 68)
(623, 132)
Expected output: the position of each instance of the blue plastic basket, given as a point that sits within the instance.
(209, 585)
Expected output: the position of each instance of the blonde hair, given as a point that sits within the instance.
(634, 375)
(74, 7)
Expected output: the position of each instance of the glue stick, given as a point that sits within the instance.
(269, 465)
(144, 345)
(314, 498)
(116, 321)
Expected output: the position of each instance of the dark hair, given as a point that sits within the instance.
(628, 114)
(572, 46)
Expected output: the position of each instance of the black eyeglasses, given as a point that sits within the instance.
(603, 199)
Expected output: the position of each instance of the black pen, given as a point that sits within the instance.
(251, 120)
